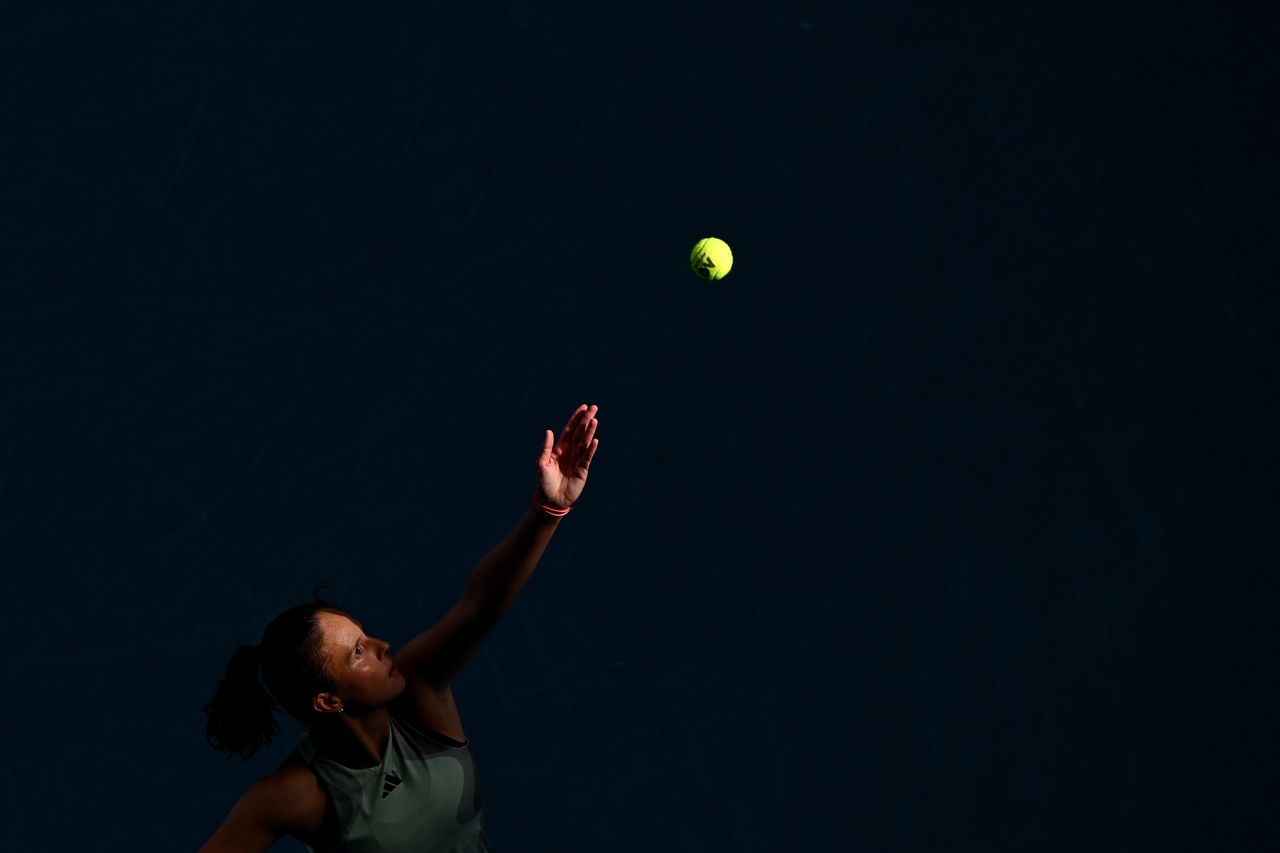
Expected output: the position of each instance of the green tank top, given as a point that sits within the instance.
(425, 796)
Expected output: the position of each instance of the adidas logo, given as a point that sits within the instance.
(393, 781)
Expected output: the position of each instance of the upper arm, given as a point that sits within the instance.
(437, 655)
(249, 826)
(267, 811)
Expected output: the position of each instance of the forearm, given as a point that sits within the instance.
(499, 577)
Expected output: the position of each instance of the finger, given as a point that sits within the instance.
(571, 424)
(586, 422)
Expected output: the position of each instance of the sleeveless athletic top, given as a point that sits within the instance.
(425, 796)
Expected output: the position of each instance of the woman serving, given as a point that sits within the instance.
(384, 764)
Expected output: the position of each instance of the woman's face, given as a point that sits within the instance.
(361, 665)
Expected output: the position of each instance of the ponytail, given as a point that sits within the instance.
(240, 718)
(293, 669)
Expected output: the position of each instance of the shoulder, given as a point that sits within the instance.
(282, 803)
(296, 798)
(429, 709)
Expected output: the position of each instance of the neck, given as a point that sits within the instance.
(352, 741)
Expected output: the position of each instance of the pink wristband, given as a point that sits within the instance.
(550, 510)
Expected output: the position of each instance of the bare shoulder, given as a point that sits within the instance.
(297, 800)
(285, 802)
(432, 709)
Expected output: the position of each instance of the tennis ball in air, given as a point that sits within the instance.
(711, 258)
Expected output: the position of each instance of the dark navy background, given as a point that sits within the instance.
(947, 521)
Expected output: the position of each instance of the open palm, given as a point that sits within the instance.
(562, 467)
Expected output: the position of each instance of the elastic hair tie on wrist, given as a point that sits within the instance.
(550, 510)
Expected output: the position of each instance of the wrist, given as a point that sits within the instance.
(547, 507)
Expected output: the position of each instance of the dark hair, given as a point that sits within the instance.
(293, 668)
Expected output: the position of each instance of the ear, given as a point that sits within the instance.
(326, 703)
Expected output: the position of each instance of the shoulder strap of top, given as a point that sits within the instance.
(305, 748)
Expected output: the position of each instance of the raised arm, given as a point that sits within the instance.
(437, 655)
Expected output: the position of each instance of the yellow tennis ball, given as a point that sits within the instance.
(711, 258)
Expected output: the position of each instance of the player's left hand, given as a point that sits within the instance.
(562, 469)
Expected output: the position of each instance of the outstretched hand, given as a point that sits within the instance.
(562, 468)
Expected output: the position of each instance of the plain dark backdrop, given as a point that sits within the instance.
(947, 521)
